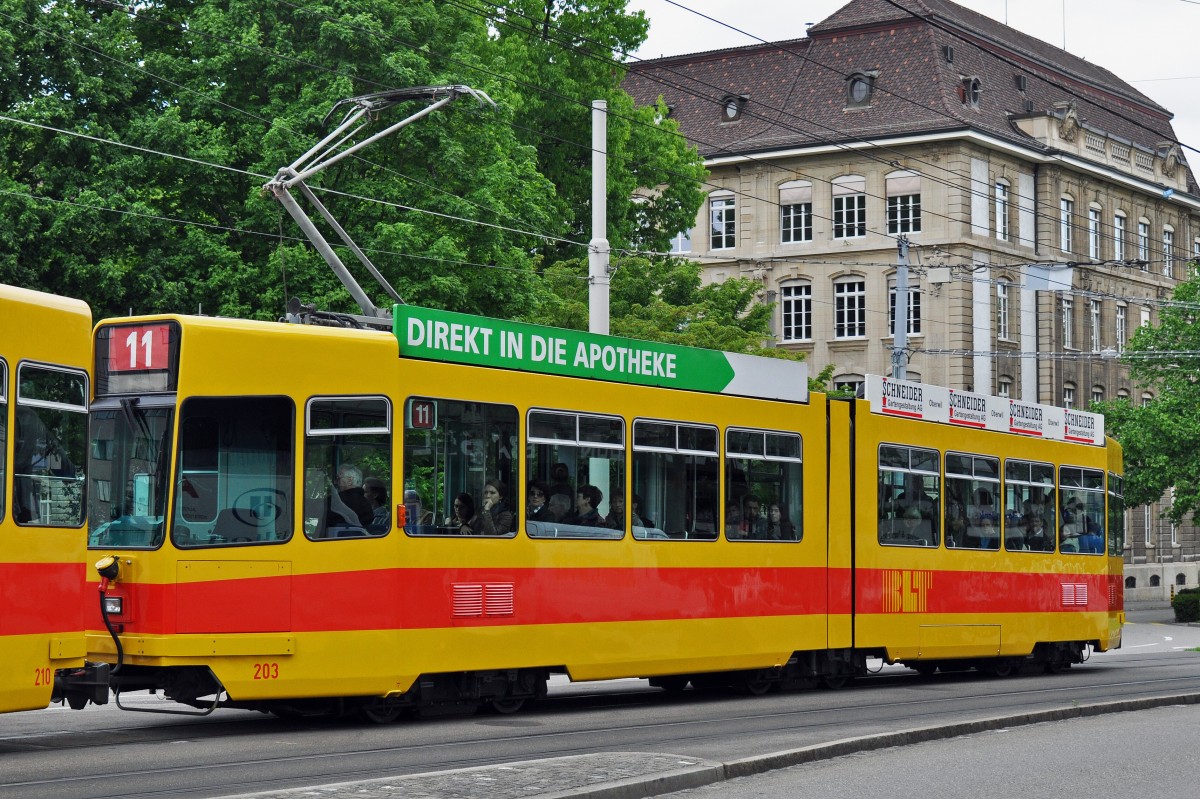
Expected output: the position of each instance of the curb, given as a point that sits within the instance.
(654, 774)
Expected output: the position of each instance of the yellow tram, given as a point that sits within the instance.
(45, 351)
(305, 519)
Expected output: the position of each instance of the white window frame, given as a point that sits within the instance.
(1004, 387)
(1168, 245)
(850, 309)
(795, 304)
(849, 207)
(1119, 221)
(1002, 210)
(1094, 314)
(1068, 323)
(1094, 232)
(1068, 395)
(914, 309)
(1002, 310)
(1066, 210)
(1122, 327)
(1143, 242)
(722, 222)
(681, 242)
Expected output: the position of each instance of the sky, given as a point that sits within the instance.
(1148, 43)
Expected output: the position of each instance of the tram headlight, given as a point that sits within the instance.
(114, 605)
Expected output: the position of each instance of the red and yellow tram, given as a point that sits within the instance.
(306, 519)
(45, 352)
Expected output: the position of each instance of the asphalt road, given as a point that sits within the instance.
(103, 752)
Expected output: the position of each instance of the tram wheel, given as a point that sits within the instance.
(508, 705)
(758, 687)
(925, 669)
(999, 668)
(835, 682)
(672, 684)
(1057, 666)
(380, 714)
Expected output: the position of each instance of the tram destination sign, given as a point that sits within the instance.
(480, 341)
(907, 400)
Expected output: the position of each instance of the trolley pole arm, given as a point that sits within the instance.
(322, 246)
(326, 153)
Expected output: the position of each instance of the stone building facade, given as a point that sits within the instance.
(1046, 203)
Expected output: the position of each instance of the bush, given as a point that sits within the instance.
(1186, 605)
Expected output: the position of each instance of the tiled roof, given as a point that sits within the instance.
(797, 89)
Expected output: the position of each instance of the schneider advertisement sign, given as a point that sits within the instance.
(476, 340)
(965, 409)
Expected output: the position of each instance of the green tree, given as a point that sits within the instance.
(1159, 439)
(455, 210)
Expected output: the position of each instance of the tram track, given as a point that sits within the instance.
(216, 758)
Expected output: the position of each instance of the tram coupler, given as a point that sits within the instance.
(80, 686)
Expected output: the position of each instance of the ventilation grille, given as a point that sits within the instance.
(477, 600)
(1074, 594)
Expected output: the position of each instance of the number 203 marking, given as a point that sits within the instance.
(42, 677)
(266, 671)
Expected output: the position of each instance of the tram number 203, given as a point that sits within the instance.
(266, 671)
(43, 677)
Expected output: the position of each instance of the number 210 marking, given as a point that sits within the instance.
(42, 677)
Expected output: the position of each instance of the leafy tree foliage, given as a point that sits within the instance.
(237, 89)
(1160, 439)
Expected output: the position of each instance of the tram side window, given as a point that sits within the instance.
(909, 496)
(972, 502)
(580, 458)
(347, 467)
(49, 446)
(458, 456)
(1082, 514)
(675, 481)
(1116, 514)
(1029, 506)
(236, 472)
(763, 485)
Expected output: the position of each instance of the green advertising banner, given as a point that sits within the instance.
(480, 341)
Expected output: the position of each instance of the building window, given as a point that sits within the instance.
(681, 242)
(1068, 322)
(1147, 399)
(723, 223)
(796, 304)
(1066, 210)
(1094, 233)
(1097, 393)
(1094, 313)
(1145, 312)
(849, 207)
(914, 310)
(849, 385)
(1148, 519)
(1143, 242)
(1169, 251)
(1069, 396)
(1002, 210)
(795, 212)
(850, 309)
(859, 88)
(1122, 327)
(1002, 330)
(1119, 236)
(1004, 387)
(903, 202)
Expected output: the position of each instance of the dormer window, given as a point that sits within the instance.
(972, 91)
(859, 88)
(732, 106)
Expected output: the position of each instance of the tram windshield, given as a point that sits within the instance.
(128, 469)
